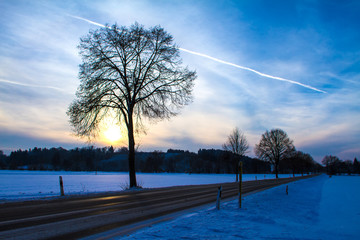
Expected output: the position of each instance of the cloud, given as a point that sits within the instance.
(12, 141)
(40, 58)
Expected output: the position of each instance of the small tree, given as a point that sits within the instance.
(129, 73)
(238, 145)
(273, 147)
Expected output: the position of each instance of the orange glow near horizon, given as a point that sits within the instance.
(111, 132)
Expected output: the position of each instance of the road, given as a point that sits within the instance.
(81, 216)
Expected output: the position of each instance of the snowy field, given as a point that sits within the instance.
(20, 185)
(316, 208)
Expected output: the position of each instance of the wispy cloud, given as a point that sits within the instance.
(32, 85)
(252, 70)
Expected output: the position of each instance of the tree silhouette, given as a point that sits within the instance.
(130, 73)
(238, 145)
(273, 147)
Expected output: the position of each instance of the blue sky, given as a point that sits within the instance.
(312, 43)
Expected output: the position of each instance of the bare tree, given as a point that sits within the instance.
(273, 147)
(238, 145)
(133, 72)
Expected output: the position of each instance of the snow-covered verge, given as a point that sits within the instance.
(315, 208)
(21, 185)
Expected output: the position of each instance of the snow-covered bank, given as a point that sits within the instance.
(17, 185)
(316, 208)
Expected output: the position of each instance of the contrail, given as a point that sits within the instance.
(252, 70)
(87, 20)
(31, 85)
(224, 62)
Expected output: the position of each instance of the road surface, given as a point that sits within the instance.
(81, 216)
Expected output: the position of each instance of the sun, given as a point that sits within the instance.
(112, 134)
(111, 130)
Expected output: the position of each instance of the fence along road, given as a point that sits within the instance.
(81, 216)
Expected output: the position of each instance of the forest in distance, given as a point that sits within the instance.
(172, 161)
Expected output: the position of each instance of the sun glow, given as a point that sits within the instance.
(111, 130)
(112, 134)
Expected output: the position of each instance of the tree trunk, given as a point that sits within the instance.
(277, 169)
(132, 174)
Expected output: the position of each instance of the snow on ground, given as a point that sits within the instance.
(316, 208)
(19, 185)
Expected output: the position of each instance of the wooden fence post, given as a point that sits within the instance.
(218, 198)
(61, 186)
(240, 182)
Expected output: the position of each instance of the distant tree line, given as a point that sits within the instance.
(174, 161)
(109, 159)
(78, 159)
(334, 165)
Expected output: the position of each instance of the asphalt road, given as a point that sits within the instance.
(80, 216)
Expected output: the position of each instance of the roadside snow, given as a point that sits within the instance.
(316, 208)
(21, 185)
(340, 207)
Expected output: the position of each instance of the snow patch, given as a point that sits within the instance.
(315, 208)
